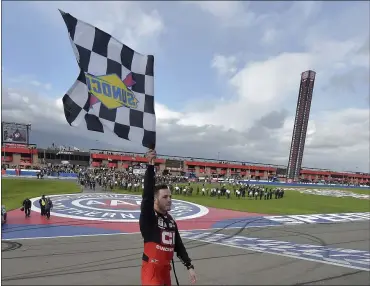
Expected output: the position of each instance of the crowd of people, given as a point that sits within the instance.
(108, 179)
(239, 190)
(56, 170)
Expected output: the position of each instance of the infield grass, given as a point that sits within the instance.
(14, 191)
(293, 202)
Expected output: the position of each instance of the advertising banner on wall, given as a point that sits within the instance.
(137, 168)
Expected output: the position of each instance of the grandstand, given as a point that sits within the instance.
(24, 156)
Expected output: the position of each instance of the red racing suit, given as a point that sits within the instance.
(161, 238)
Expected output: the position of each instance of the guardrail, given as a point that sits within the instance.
(25, 173)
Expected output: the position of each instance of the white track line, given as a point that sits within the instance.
(68, 236)
(125, 233)
(286, 255)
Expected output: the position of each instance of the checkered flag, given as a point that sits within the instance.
(115, 88)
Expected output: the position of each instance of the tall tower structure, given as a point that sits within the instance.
(300, 125)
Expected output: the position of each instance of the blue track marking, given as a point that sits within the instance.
(350, 258)
(264, 221)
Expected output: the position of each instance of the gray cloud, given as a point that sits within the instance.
(260, 90)
(365, 48)
(273, 120)
(136, 25)
(348, 81)
(49, 126)
(261, 143)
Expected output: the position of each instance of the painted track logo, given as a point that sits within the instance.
(112, 207)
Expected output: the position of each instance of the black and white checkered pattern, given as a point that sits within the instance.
(98, 53)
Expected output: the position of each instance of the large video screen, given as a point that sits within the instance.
(137, 168)
(170, 163)
(281, 171)
(14, 133)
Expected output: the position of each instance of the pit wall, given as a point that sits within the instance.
(24, 173)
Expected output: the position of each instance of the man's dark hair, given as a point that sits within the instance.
(159, 187)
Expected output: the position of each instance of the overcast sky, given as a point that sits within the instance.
(227, 75)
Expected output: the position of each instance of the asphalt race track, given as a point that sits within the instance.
(115, 259)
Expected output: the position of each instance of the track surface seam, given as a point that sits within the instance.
(116, 259)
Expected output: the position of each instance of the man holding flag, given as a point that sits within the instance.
(114, 92)
(160, 232)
